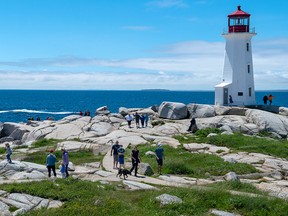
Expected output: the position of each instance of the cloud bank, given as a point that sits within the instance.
(190, 65)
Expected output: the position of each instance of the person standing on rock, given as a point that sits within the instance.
(137, 118)
(159, 153)
(114, 151)
(146, 119)
(135, 160)
(142, 119)
(8, 152)
(129, 119)
(65, 160)
(50, 163)
(121, 152)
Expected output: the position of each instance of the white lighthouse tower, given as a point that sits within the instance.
(237, 87)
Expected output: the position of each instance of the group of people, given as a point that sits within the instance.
(139, 118)
(51, 161)
(268, 98)
(86, 113)
(118, 152)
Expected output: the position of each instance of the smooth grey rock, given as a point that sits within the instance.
(138, 186)
(145, 169)
(283, 111)
(25, 175)
(268, 121)
(200, 110)
(3, 207)
(173, 110)
(222, 213)
(74, 146)
(166, 199)
(101, 128)
(231, 176)
(6, 139)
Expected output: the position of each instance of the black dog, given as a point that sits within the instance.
(123, 172)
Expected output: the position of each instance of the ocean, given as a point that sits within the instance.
(19, 105)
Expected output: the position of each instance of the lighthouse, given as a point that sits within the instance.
(237, 86)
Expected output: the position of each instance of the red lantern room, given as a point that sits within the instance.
(238, 21)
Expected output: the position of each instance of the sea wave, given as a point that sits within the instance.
(36, 111)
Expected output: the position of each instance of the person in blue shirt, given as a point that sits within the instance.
(121, 152)
(159, 153)
(50, 163)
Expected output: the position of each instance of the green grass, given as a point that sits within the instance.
(181, 162)
(2, 150)
(240, 142)
(236, 186)
(79, 157)
(45, 143)
(90, 198)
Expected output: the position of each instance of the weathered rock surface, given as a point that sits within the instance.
(172, 110)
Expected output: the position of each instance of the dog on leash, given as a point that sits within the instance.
(123, 172)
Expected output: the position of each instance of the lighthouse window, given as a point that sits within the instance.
(250, 92)
(248, 68)
(240, 93)
(247, 47)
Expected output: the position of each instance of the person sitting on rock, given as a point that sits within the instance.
(193, 127)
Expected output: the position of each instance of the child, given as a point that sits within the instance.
(63, 169)
(8, 152)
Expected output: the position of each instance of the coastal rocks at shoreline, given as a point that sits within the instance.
(171, 118)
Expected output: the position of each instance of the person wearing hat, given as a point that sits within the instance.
(50, 163)
(159, 153)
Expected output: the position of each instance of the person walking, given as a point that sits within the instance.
(135, 160)
(8, 152)
(65, 160)
(50, 163)
(159, 153)
(129, 119)
(121, 152)
(114, 151)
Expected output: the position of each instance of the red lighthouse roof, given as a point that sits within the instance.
(238, 13)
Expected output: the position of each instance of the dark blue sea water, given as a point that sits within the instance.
(19, 105)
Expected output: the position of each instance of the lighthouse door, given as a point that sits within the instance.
(225, 96)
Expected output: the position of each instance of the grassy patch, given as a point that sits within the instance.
(181, 162)
(236, 186)
(45, 143)
(80, 157)
(90, 198)
(2, 150)
(239, 142)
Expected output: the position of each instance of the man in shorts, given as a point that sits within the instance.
(114, 151)
(159, 153)
(121, 152)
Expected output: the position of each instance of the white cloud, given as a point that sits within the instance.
(191, 65)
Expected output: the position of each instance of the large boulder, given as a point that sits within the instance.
(201, 110)
(268, 121)
(283, 111)
(172, 110)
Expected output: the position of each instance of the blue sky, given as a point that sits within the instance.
(134, 44)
